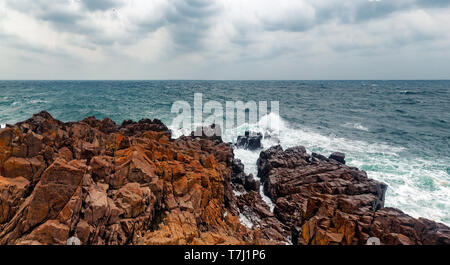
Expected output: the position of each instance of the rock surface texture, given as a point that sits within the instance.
(132, 184)
(323, 201)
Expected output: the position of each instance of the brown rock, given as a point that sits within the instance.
(12, 194)
(337, 204)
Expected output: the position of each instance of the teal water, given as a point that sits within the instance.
(398, 131)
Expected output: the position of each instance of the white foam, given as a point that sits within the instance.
(417, 186)
(357, 126)
(37, 101)
(2, 125)
(245, 221)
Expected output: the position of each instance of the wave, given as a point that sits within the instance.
(418, 186)
(357, 126)
(37, 101)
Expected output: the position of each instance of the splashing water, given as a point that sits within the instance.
(418, 186)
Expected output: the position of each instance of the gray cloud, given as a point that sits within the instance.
(102, 5)
(232, 31)
(189, 22)
(347, 12)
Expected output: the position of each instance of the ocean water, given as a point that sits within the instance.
(397, 131)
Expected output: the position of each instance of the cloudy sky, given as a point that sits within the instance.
(225, 39)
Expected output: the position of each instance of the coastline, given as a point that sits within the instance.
(134, 184)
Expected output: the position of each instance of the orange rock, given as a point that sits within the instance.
(52, 232)
(12, 191)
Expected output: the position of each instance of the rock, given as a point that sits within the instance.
(51, 232)
(250, 141)
(340, 157)
(29, 168)
(12, 194)
(238, 176)
(56, 186)
(319, 157)
(65, 153)
(212, 132)
(132, 199)
(326, 203)
(251, 183)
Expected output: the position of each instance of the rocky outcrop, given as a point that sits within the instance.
(132, 184)
(323, 201)
(117, 184)
(238, 176)
(250, 141)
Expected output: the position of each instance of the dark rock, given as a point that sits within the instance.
(251, 184)
(212, 132)
(238, 176)
(250, 141)
(340, 157)
(130, 127)
(329, 203)
(319, 157)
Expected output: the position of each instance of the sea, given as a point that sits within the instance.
(397, 131)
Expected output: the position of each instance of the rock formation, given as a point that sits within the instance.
(250, 141)
(110, 184)
(323, 201)
(132, 184)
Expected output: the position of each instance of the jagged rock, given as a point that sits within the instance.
(212, 132)
(250, 141)
(12, 194)
(330, 203)
(340, 157)
(251, 183)
(106, 184)
(238, 176)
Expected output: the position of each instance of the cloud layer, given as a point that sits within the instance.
(224, 39)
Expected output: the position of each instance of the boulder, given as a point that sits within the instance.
(250, 141)
(340, 157)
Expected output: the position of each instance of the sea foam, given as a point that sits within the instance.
(417, 186)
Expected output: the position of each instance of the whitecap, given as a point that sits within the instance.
(37, 101)
(417, 186)
(2, 125)
(357, 126)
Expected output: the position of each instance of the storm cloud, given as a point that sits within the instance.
(224, 39)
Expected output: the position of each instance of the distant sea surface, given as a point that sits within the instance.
(397, 131)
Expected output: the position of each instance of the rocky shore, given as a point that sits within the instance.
(132, 184)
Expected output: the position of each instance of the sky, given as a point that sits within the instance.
(225, 39)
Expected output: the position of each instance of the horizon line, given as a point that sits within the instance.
(225, 79)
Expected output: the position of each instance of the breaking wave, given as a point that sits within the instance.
(418, 186)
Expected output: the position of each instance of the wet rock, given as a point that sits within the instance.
(212, 132)
(250, 141)
(251, 184)
(340, 157)
(238, 176)
(327, 203)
